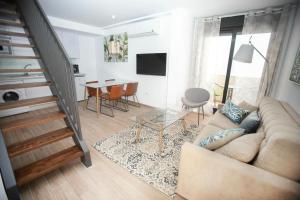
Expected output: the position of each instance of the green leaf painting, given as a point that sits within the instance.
(122, 40)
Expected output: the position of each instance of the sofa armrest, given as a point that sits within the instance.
(205, 174)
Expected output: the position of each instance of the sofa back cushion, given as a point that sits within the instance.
(291, 112)
(280, 150)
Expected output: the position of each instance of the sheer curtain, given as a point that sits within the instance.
(273, 22)
(204, 63)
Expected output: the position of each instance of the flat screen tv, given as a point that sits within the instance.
(151, 64)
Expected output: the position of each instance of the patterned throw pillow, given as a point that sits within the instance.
(233, 112)
(251, 122)
(221, 138)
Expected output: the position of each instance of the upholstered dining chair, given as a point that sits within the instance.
(113, 97)
(108, 88)
(195, 98)
(130, 91)
(92, 92)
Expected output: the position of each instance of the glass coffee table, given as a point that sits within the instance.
(158, 120)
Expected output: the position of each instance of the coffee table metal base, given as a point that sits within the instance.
(161, 132)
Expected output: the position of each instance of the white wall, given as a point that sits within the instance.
(75, 26)
(285, 89)
(180, 57)
(175, 37)
(152, 89)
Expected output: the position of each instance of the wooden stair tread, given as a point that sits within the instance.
(27, 102)
(16, 45)
(19, 57)
(31, 121)
(24, 85)
(7, 5)
(9, 12)
(42, 140)
(21, 70)
(46, 165)
(11, 33)
(11, 23)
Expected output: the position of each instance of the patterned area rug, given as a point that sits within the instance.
(144, 160)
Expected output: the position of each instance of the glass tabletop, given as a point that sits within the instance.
(159, 118)
(108, 83)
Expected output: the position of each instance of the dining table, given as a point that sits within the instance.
(103, 84)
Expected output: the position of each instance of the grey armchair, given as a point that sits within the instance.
(195, 98)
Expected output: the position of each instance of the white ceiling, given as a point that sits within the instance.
(99, 12)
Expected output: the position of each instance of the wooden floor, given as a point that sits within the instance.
(104, 180)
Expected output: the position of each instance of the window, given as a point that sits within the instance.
(235, 80)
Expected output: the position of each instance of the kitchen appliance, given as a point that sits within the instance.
(76, 69)
(12, 95)
(6, 50)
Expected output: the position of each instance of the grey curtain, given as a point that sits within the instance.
(203, 55)
(273, 22)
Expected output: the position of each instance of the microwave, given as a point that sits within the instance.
(75, 69)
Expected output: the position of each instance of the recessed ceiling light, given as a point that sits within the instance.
(113, 16)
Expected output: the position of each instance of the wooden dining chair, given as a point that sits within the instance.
(114, 96)
(92, 92)
(130, 91)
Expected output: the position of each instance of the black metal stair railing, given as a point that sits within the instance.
(57, 65)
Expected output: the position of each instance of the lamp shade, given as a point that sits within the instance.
(244, 54)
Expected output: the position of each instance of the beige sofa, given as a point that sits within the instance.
(272, 173)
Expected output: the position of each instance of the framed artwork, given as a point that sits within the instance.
(116, 48)
(295, 73)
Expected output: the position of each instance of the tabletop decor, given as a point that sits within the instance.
(116, 48)
(295, 73)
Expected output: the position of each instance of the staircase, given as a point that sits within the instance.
(26, 19)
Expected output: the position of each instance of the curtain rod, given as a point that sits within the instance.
(255, 12)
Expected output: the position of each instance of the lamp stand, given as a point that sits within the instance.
(266, 60)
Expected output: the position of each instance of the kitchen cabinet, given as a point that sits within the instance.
(79, 81)
(70, 41)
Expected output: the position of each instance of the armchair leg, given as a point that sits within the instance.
(198, 115)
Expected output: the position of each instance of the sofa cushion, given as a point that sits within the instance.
(221, 121)
(280, 150)
(291, 112)
(243, 148)
(247, 106)
(251, 122)
(206, 131)
(280, 155)
(233, 112)
(220, 138)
